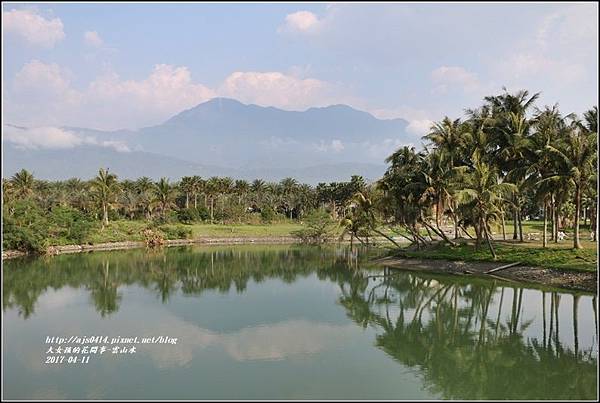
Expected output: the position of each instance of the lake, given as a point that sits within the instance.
(286, 322)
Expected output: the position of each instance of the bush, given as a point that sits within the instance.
(70, 225)
(319, 227)
(188, 215)
(175, 232)
(267, 215)
(203, 213)
(25, 227)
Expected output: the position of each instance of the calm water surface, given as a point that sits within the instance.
(289, 322)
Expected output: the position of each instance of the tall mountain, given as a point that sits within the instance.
(225, 137)
(226, 132)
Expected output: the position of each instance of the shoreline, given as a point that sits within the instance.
(522, 274)
(123, 245)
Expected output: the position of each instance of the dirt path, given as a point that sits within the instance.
(572, 280)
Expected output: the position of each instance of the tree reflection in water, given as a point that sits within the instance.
(444, 329)
(466, 338)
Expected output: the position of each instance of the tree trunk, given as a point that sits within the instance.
(489, 241)
(552, 216)
(187, 200)
(503, 226)
(544, 236)
(515, 229)
(104, 213)
(576, 243)
(212, 208)
(520, 224)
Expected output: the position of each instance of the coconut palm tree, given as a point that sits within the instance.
(574, 161)
(288, 189)
(145, 189)
(187, 187)
(164, 196)
(484, 191)
(105, 187)
(22, 183)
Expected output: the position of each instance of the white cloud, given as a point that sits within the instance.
(43, 137)
(43, 95)
(276, 89)
(92, 38)
(563, 49)
(454, 76)
(419, 127)
(335, 146)
(54, 138)
(300, 21)
(33, 27)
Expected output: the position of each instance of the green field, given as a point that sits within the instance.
(124, 230)
(555, 256)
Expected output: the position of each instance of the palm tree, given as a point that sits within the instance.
(164, 196)
(484, 191)
(145, 188)
(288, 187)
(187, 187)
(574, 160)
(197, 187)
(104, 189)
(211, 190)
(22, 183)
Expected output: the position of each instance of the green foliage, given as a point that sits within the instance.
(267, 215)
(175, 231)
(188, 215)
(70, 224)
(25, 227)
(318, 228)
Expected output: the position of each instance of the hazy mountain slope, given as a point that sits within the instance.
(227, 138)
(84, 162)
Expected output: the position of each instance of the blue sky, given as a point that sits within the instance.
(112, 66)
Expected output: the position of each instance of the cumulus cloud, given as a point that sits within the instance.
(276, 89)
(300, 21)
(54, 138)
(42, 95)
(92, 38)
(454, 76)
(33, 28)
(419, 127)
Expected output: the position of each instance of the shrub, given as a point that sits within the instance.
(318, 227)
(175, 232)
(25, 227)
(188, 215)
(267, 215)
(70, 225)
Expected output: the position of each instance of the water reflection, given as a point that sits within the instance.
(449, 332)
(466, 338)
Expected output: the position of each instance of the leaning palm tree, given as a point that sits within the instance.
(105, 187)
(22, 183)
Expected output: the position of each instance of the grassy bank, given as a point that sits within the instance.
(555, 256)
(123, 230)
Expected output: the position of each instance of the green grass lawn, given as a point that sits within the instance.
(555, 256)
(124, 230)
(243, 230)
